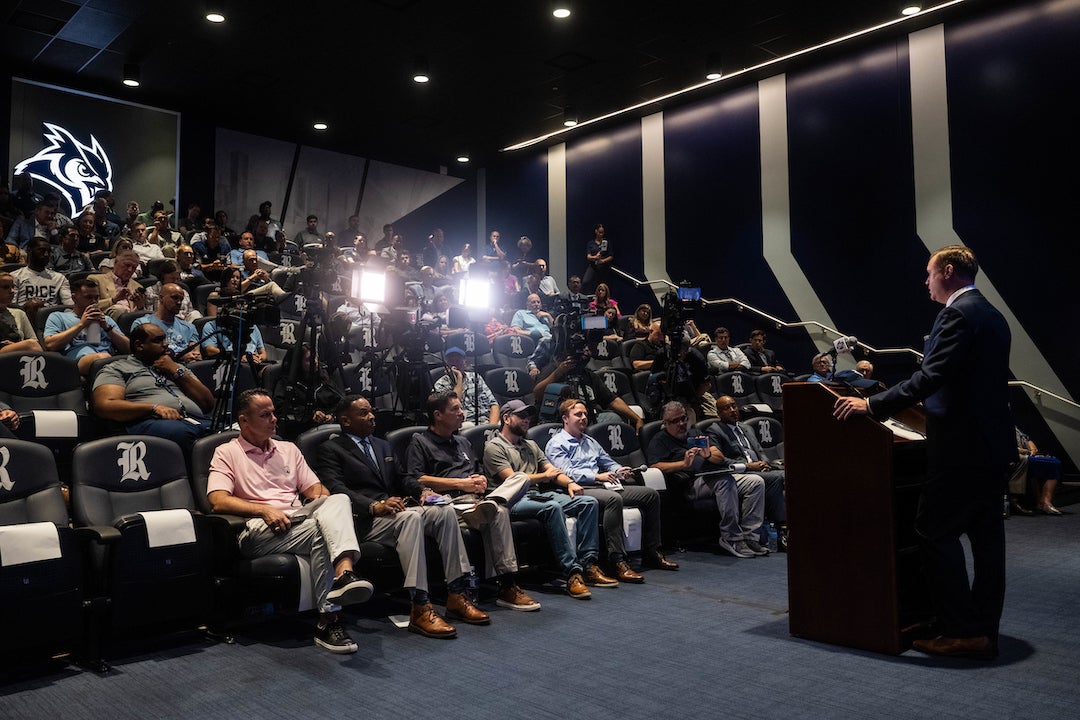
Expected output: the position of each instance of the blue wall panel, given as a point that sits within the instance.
(1013, 120)
(517, 203)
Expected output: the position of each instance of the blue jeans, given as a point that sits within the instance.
(552, 509)
(182, 432)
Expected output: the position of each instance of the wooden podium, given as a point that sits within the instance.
(854, 567)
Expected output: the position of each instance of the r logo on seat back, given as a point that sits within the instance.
(515, 345)
(33, 372)
(736, 385)
(130, 461)
(764, 432)
(615, 437)
(511, 379)
(5, 480)
(610, 383)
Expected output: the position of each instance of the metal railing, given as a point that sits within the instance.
(779, 324)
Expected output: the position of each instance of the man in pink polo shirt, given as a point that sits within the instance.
(289, 511)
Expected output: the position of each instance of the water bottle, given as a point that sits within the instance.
(772, 537)
(472, 587)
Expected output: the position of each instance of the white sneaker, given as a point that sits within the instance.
(736, 549)
(480, 514)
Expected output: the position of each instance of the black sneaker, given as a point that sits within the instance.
(349, 589)
(334, 638)
(755, 547)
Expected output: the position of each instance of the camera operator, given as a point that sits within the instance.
(583, 384)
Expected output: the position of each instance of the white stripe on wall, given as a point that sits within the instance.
(776, 214)
(557, 250)
(934, 219)
(654, 214)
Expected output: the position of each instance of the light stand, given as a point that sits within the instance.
(474, 298)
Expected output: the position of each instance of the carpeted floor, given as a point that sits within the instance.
(708, 641)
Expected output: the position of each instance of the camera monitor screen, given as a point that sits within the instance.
(689, 294)
(594, 322)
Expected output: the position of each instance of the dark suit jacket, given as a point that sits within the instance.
(729, 445)
(345, 468)
(963, 383)
(755, 358)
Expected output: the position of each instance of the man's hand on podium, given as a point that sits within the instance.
(845, 407)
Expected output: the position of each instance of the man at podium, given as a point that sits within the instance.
(963, 383)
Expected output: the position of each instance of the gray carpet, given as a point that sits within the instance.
(708, 641)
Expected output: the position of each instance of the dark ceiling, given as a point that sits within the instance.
(501, 72)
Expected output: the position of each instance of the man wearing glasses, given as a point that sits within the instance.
(687, 456)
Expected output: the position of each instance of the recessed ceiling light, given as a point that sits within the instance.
(131, 75)
(561, 12)
(910, 10)
(320, 126)
(215, 17)
(463, 158)
(421, 77)
(713, 76)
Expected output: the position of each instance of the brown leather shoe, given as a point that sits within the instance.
(515, 598)
(624, 573)
(596, 578)
(460, 607)
(423, 620)
(976, 648)
(575, 587)
(658, 561)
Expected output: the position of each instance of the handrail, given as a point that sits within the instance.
(741, 306)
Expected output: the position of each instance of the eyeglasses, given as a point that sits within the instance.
(676, 421)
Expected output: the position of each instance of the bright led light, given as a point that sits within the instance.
(319, 126)
(130, 82)
(215, 17)
(910, 10)
(713, 76)
(475, 293)
(569, 123)
(561, 12)
(420, 78)
(369, 286)
(463, 158)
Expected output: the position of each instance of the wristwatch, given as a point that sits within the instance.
(181, 371)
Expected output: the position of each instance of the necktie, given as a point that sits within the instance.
(366, 443)
(745, 444)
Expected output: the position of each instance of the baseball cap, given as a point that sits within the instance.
(455, 349)
(516, 407)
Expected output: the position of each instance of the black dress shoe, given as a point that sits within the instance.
(658, 561)
(1015, 508)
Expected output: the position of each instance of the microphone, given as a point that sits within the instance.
(845, 344)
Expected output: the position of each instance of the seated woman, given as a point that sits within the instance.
(640, 323)
(16, 332)
(603, 300)
(227, 287)
(612, 332)
(464, 261)
(1036, 474)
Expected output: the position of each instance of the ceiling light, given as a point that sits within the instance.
(215, 11)
(561, 11)
(131, 75)
(910, 9)
(463, 158)
(420, 70)
(713, 67)
(569, 116)
(320, 126)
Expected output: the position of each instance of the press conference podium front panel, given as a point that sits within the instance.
(854, 568)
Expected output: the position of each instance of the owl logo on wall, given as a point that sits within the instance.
(73, 169)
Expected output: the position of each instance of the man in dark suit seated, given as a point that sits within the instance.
(397, 511)
(970, 443)
(740, 446)
(761, 358)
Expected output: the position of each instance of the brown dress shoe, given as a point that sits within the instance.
(423, 620)
(624, 573)
(596, 578)
(976, 648)
(575, 587)
(515, 598)
(658, 561)
(460, 607)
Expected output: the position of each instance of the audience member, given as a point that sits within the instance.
(822, 365)
(151, 394)
(681, 453)
(464, 261)
(740, 446)
(532, 321)
(865, 368)
(310, 235)
(1034, 473)
(509, 456)
(120, 293)
(477, 400)
(16, 332)
(267, 481)
(760, 357)
(85, 333)
(640, 324)
(586, 462)
(441, 459)
(66, 258)
(723, 357)
(36, 285)
(581, 383)
(643, 354)
(492, 252)
(602, 301)
(41, 223)
(599, 257)
(181, 337)
(395, 510)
